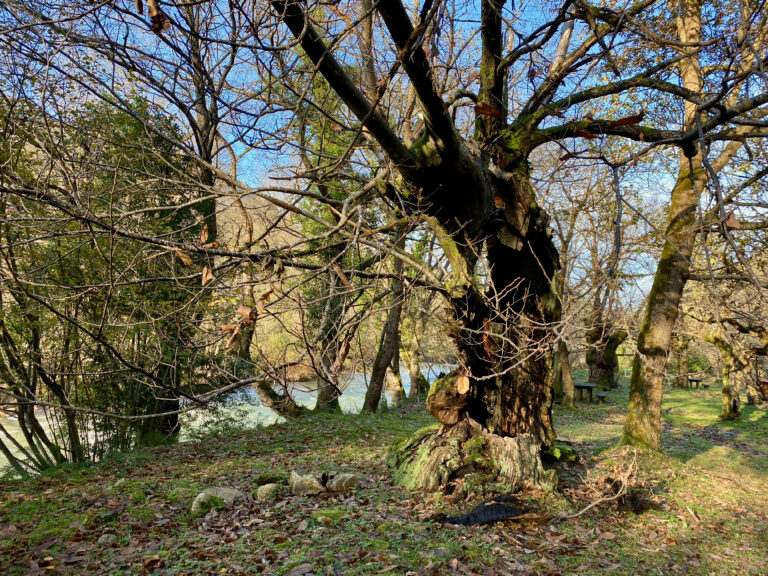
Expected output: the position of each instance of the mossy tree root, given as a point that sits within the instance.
(467, 454)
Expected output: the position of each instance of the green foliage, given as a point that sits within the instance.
(697, 362)
(104, 336)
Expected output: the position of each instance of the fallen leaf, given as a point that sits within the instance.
(204, 234)
(300, 570)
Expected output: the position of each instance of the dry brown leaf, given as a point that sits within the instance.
(204, 234)
(462, 384)
(731, 223)
(628, 120)
(485, 109)
(246, 312)
(585, 134)
(160, 21)
(341, 275)
(231, 340)
(211, 245)
(228, 327)
(183, 257)
(208, 276)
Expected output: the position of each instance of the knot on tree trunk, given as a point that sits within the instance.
(470, 457)
(448, 398)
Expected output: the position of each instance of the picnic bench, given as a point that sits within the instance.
(694, 380)
(581, 387)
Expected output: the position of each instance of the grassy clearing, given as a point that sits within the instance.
(709, 512)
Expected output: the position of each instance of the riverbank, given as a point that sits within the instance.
(707, 508)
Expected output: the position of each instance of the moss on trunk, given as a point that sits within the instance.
(469, 456)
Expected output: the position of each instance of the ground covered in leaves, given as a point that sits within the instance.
(701, 508)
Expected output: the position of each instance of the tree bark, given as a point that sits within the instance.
(502, 334)
(569, 396)
(681, 350)
(390, 336)
(642, 427)
(602, 360)
(732, 369)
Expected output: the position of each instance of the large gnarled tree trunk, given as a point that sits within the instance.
(476, 195)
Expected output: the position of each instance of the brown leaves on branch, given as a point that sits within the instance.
(247, 313)
(341, 275)
(731, 222)
(183, 256)
(484, 109)
(160, 21)
(584, 134)
(208, 276)
(627, 121)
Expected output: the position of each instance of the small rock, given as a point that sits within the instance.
(214, 498)
(341, 482)
(300, 570)
(304, 485)
(107, 540)
(266, 491)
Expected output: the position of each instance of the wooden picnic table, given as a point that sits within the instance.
(694, 380)
(581, 386)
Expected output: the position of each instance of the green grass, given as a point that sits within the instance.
(709, 488)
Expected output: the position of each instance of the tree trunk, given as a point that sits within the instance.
(732, 368)
(569, 396)
(390, 338)
(501, 395)
(394, 380)
(328, 390)
(557, 377)
(419, 383)
(602, 360)
(497, 410)
(642, 427)
(681, 350)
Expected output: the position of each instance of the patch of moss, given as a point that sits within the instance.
(143, 514)
(333, 514)
(271, 478)
(378, 545)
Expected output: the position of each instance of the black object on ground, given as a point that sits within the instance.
(490, 511)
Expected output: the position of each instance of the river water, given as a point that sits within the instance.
(244, 409)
